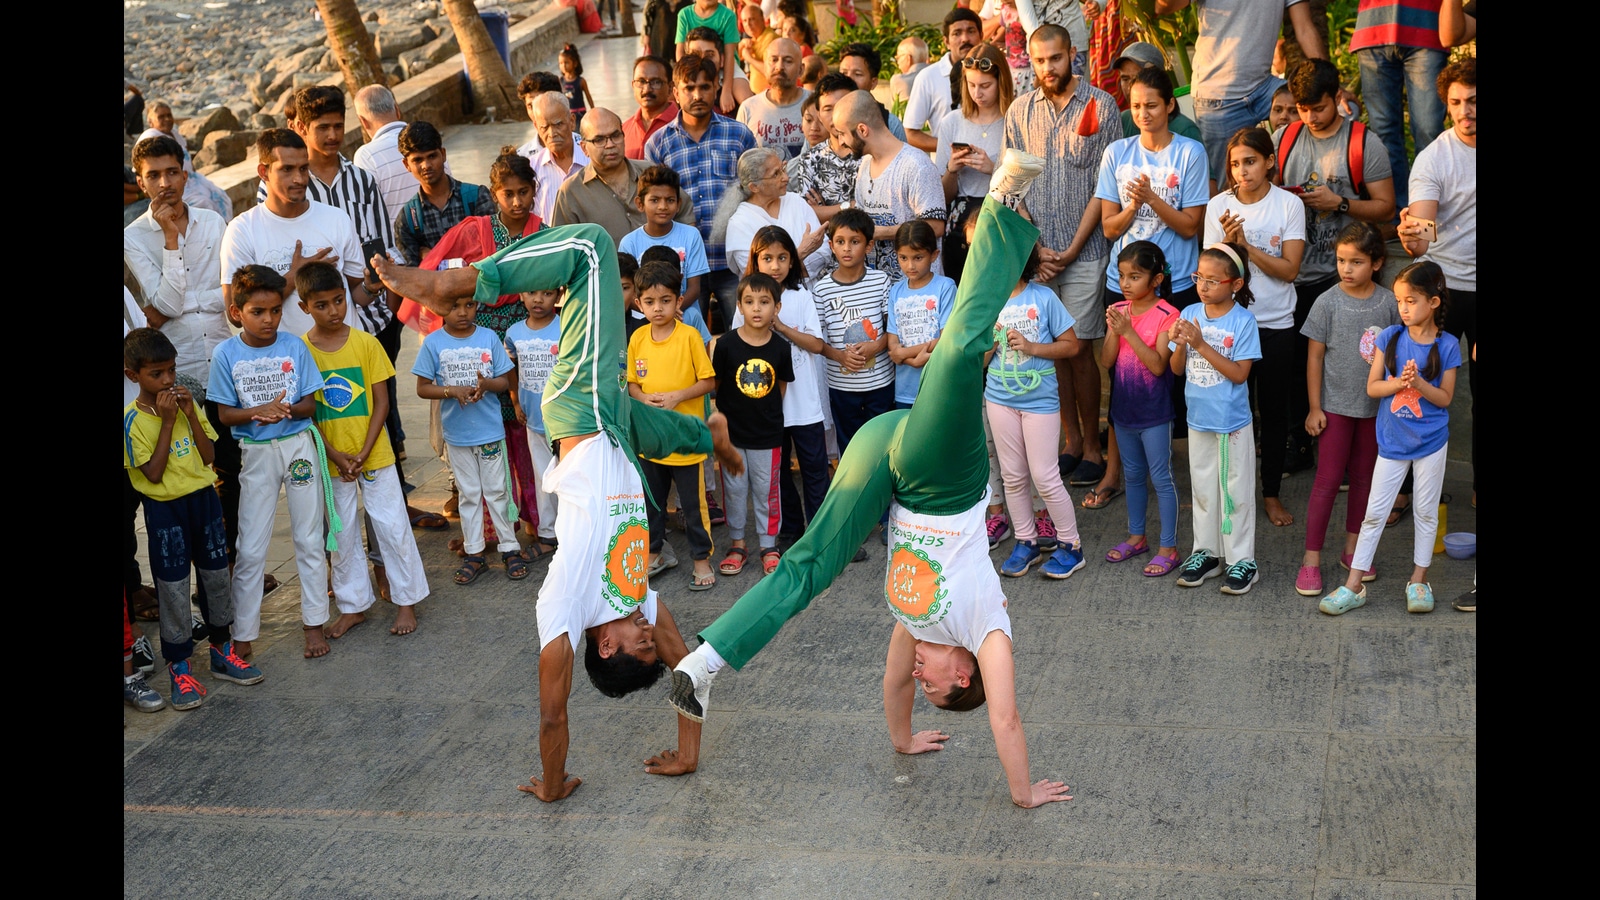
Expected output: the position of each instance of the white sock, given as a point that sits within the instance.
(714, 660)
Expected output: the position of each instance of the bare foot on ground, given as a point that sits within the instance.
(405, 620)
(1277, 513)
(316, 644)
(344, 623)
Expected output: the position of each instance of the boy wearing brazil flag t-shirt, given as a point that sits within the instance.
(350, 412)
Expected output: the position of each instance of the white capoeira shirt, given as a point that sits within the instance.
(941, 583)
(603, 532)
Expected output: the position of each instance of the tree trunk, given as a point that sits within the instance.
(492, 84)
(625, 18)
(352, 44)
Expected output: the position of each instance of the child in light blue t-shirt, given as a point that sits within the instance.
(1034, 330)
(919, 306)
(1214, 343)
(532, 346)
(657, 195)
(464, 367)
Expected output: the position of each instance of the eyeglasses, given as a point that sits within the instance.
(649, 82)
(981, 63)
(605, 140)
(1208, 283)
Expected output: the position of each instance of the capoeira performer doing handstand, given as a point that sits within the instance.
(929, 468)
(596, 585)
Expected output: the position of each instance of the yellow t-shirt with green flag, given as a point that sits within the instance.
(344, 405)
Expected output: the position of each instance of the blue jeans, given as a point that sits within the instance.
(1219, 119)
(1386, 72)
(1147, 453)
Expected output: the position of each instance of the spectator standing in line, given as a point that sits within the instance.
(603, 192)
(932, 96)
(773, 115)
(380, 155)
(895, 184)
(1397, 44)
(560, 156)
(652, 88)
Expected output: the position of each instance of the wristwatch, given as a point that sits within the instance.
(1344, 205)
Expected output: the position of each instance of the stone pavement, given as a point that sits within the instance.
(1217, 746)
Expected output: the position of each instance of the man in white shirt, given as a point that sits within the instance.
(930, 95)
(174, 251)
(288, 230)
(1444, 193)
(773, 115)
(560, 156)
(894, 184)
(380, 155)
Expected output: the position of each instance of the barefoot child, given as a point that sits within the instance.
(1214, 343)
(1138, 353)
(1413, 377)
(952, 633)
(351, 409)
(596, 589)
(264, 383)
(531, 346)
(463, 363)
(166, 447)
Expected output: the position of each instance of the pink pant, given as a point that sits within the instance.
(1346, 445)
(1028, 446)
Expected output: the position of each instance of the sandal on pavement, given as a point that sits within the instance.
(1161, 564)
(1125, 551)
(1095, 498)
(471, 568)
(428, 521)
(733, 563)
(769, 560)
(516, 563)
(696, 584)
(1397, 515)
(1087, 472)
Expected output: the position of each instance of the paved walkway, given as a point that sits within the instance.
(1217, 746)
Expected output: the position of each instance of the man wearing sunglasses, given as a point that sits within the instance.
(603, 191)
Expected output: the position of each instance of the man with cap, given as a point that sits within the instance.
(1135, 58)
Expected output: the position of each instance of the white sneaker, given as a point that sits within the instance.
(691, 687)
(1014, 176)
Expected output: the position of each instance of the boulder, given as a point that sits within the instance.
(279, 74)
(397, 37)
(195, 129)
(392, 68)
(262, 121)
(224, 148)
(428, 55)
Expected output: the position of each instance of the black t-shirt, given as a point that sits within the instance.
(747, 389)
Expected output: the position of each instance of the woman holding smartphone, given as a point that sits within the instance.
(970, 143)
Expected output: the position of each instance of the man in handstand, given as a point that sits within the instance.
(952, 634)
(596, 585)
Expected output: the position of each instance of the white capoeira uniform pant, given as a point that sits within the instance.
(391, 528)
(294, 465)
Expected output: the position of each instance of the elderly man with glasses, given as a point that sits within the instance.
(603, 191)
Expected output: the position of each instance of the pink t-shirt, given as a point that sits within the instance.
(1140, 399)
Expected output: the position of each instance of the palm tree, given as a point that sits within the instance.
(492, 84)
(352, 44)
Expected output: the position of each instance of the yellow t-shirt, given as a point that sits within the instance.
(344, 410)
(186, 472)
(671, 365)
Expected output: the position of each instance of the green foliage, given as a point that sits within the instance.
(1341, 25)
(884, 36)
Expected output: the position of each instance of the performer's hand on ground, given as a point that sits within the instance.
(667, 762)
(924, 741)
(537, 788)
(732, 462)
(1045, 791)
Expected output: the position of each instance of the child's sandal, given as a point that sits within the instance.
(516, 565)
(769, 560)
(471, 568)
(733, 563)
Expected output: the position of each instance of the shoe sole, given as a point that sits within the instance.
(1018, 574)
(1473, 608)
(146, 709)
(1049, 574)
(1188, 582)
(1419, 610)
(1342, 611)
(1305, 593)
(682, 697)
(183, 706)
(1230, 589)
(236, 680)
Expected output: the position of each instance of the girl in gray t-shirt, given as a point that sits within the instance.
(1342, 327)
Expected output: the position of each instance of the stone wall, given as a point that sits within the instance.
(438, 95)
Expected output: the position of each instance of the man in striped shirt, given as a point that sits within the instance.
(704, 149)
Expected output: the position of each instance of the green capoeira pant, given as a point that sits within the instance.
(931, 458)
(587, 391)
